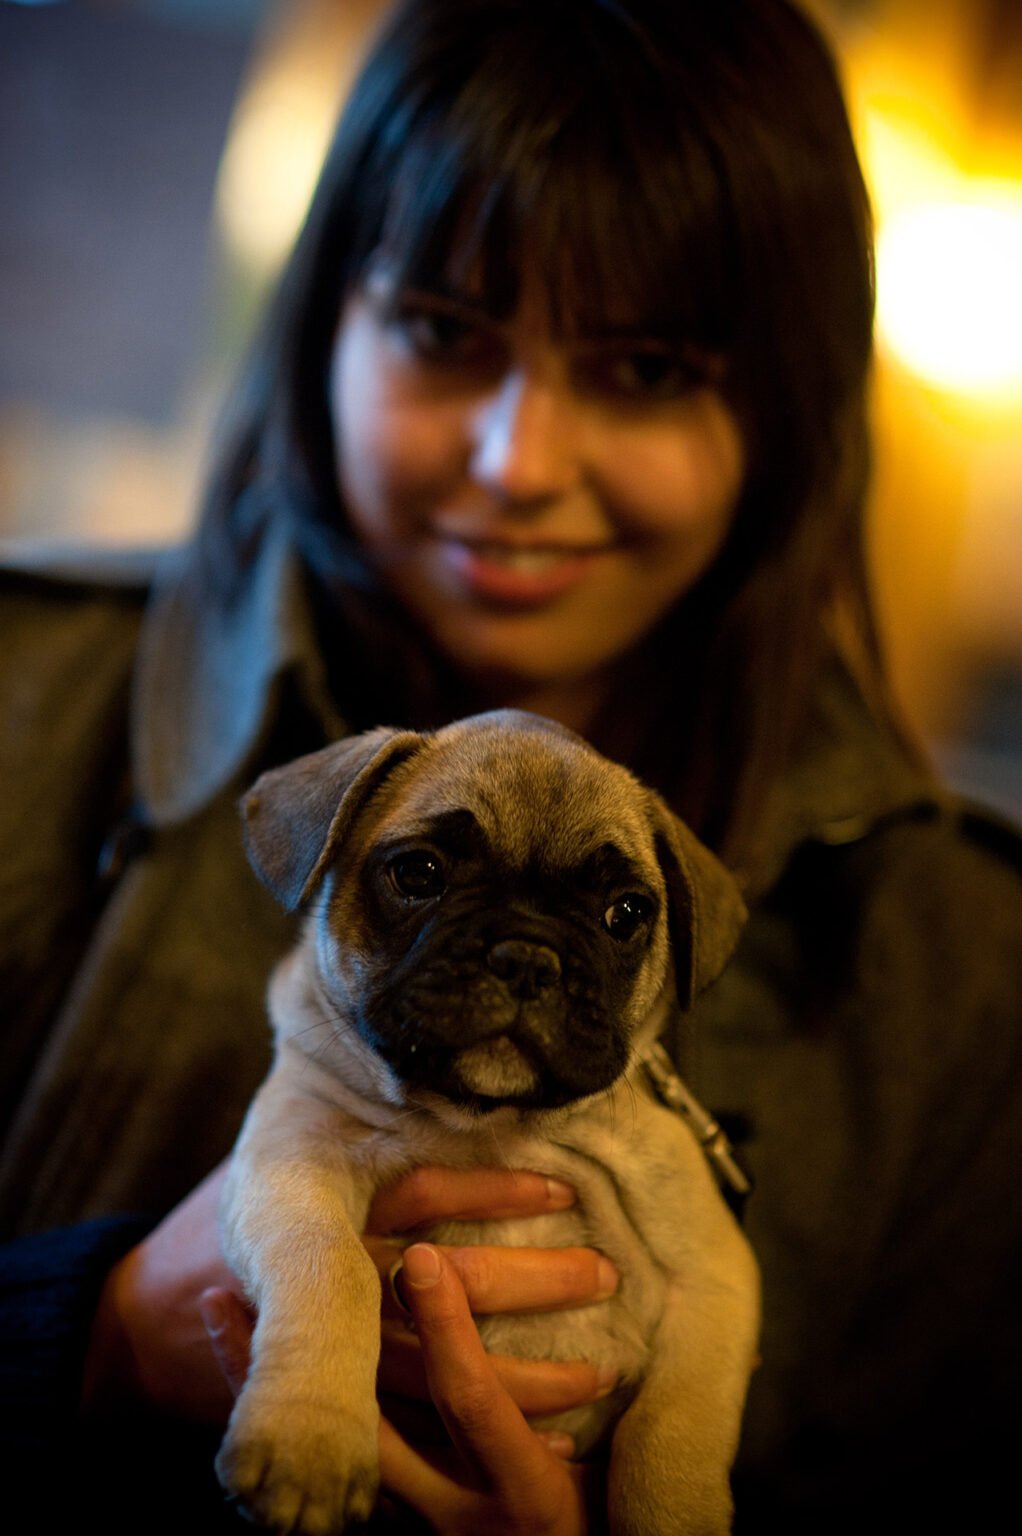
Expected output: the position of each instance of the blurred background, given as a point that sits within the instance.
(156, 157)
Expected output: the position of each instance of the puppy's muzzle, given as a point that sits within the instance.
(498, 1007)
(526, 969)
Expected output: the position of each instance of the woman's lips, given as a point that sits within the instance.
(517, 575)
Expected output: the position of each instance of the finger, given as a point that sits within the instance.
(428, 1482)
(228, 1325)
(532, 1279)
(402, 1371)
(500, 1279)
(418, 1423)
(481, 1418)
(463, 1194)
(555, 1440)
(387, 1255)
(537, 1386)
(410, 1477)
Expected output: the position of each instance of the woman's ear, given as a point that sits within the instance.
(296, 817)
(706, 912)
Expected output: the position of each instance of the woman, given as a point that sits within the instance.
(560, 404)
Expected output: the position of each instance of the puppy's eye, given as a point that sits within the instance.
(627, 915)
(418, 876)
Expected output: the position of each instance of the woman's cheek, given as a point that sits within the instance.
(684, 480)
(419, 458)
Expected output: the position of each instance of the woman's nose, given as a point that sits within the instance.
(526, 445)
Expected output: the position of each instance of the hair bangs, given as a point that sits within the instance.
(585, 193)
(632, 239)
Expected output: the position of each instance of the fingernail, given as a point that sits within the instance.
(559, 1195)
(421, 1266)
(606, 1279)
(561, 1445)
(606, 1379)
(213, 1313)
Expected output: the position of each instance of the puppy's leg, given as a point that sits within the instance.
(672, 1452)
(301, 1448)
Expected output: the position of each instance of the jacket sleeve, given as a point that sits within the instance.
(49, 1289)
(65, 658)
(65, 667)
(887, 1087)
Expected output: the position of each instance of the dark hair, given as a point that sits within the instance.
(693, 162)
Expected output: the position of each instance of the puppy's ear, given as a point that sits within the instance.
(706, 910)
(297, 816)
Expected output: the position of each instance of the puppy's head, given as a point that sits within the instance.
(495, 907)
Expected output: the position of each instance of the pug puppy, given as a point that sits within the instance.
(499, 923)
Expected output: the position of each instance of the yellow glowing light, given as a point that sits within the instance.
(949, 292)
(907, 161)
(271, 164)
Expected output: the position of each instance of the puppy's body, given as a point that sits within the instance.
(435, 1028)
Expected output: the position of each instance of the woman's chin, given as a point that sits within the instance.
(571, 697)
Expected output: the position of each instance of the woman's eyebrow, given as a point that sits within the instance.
(631, 336)
(438, 293)
(440, 296)
(384, 281)
(651, 339)
(446, 296)
(671, 331)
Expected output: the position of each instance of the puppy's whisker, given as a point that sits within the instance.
(502, 1157)
(610, 1098)
(633, 1099)
(310, 1029)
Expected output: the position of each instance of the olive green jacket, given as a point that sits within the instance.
(865, 1040)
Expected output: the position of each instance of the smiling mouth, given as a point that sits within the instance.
(544, 557)
(518, 574)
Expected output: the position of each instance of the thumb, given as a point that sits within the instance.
(228, 1325)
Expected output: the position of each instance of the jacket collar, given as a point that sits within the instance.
(849, 775)
(209, 680)
(210, 670)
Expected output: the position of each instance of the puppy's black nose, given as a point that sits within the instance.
(528, 969)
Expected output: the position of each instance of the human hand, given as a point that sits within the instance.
(497, 1469)
(504, 1477)
(495, 1279)
(151, 1340)
(150, 1343)
(498, 1474)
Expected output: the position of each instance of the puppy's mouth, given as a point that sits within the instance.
(519, 1063)
(496, 1069)
(505, 1023)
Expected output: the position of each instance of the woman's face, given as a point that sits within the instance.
(536, 504)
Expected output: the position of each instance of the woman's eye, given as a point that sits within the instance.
(644, 374)
(445, 337)
(624, 917)
(418, 876)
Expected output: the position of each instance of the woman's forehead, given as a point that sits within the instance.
(538, 302)
(617, 213)
(570, 294)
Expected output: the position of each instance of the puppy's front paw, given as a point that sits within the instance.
(299, 1468)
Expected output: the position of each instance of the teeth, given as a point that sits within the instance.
(526, 560)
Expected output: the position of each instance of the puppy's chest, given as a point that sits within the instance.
(616, 1332)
